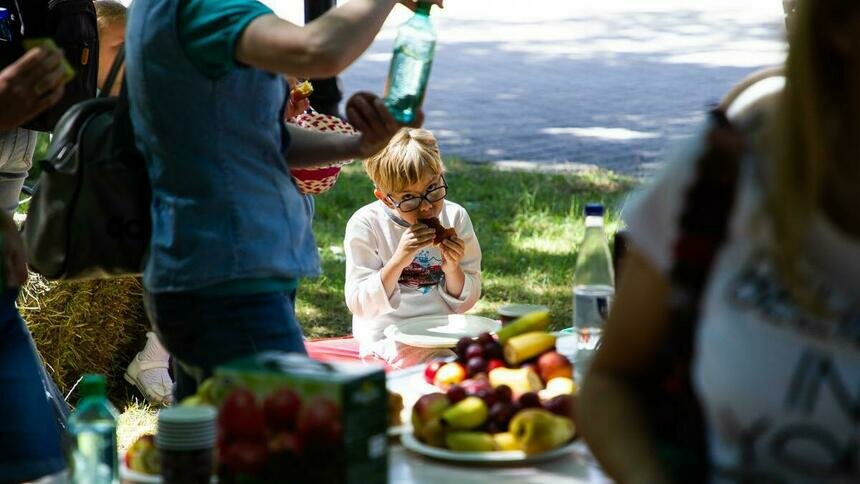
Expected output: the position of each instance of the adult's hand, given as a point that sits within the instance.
(368, 114)
(411, 4)
(30, 85)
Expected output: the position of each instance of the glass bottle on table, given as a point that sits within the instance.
(593, 288)
(92, 435)
(410, 65)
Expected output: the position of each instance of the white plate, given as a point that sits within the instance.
(440, 331)
(503, 456)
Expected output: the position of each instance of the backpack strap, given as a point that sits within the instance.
(118, 62)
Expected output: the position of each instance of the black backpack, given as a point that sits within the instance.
(89, 215)
(73, 26)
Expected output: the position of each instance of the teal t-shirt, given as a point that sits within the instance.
(209, 30)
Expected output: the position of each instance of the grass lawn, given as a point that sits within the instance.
(529, 226)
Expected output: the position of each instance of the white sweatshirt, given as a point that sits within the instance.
(372, 235)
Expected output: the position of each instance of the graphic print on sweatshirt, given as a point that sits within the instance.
(808, 424)
(424, 272)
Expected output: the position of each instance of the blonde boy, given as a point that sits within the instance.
(393, 269)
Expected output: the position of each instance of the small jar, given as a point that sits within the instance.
(186, 439)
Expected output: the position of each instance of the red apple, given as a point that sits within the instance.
(552, 364)
(427, 418)
(431, 369)
(239, 417)
(281, 409)
(495, 363)
(245, 457)
(319, 423)
(285, 442)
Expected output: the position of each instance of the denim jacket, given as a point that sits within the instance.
(224, 207)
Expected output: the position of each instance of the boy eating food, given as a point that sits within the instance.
(396, 266)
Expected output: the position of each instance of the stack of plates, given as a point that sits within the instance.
(186, 428)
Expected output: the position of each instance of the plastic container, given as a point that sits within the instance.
(92, 435)
(186, 440)
(410, 65)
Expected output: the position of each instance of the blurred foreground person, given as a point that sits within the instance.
(774, 341)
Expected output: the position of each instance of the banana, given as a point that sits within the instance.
(537, 430)
(520, 380)
(467, 414)
(528, 345)
(536, 321)
(470, 441)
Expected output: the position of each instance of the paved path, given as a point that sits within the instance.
(562, 83)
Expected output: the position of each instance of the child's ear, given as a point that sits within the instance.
(382, 198)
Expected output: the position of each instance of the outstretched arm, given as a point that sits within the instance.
(322, 48)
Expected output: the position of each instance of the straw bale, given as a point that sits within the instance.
(85, 327)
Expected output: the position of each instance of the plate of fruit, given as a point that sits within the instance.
(441, 331)
(507, 398)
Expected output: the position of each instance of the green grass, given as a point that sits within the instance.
(528, 224)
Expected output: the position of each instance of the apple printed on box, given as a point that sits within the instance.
(313, 181)
(286, 415)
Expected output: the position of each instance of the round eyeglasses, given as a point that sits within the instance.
(411, 204)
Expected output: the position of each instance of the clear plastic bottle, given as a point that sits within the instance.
(593, 288)
(410, 65)
(92, 429)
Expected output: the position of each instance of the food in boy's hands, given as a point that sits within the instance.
(303, 90)
(441, 232)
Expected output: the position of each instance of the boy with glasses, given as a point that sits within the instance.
(393, 269)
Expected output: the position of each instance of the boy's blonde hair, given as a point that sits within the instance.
(109, 11)
(410, 156)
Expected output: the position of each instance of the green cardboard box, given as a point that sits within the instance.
(319, 422)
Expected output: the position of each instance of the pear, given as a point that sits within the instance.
(526, 346)
(520, 380)
(470, 441)
(506, 441)
(537, 430)
(467, 414)
(536, 321)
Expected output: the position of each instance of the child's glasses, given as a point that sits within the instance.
(411, 204)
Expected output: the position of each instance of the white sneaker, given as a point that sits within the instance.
(148, 372)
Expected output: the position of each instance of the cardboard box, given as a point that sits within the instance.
(285, 417)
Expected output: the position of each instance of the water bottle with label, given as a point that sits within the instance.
(92, 431)
(410, 65)
(593, 288)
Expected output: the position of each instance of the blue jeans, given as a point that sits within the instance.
(202, 332)
(29, 436)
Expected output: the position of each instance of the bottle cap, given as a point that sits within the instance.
(423, 8)
(594, 209)
(92, 385)
(186, 428)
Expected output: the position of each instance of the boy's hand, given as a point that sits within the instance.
(368, 114)
(452, 250)
(415, 238)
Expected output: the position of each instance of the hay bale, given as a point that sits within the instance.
(85, 327)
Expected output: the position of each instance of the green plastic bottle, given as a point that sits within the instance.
(410, 65)
(92, 432)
